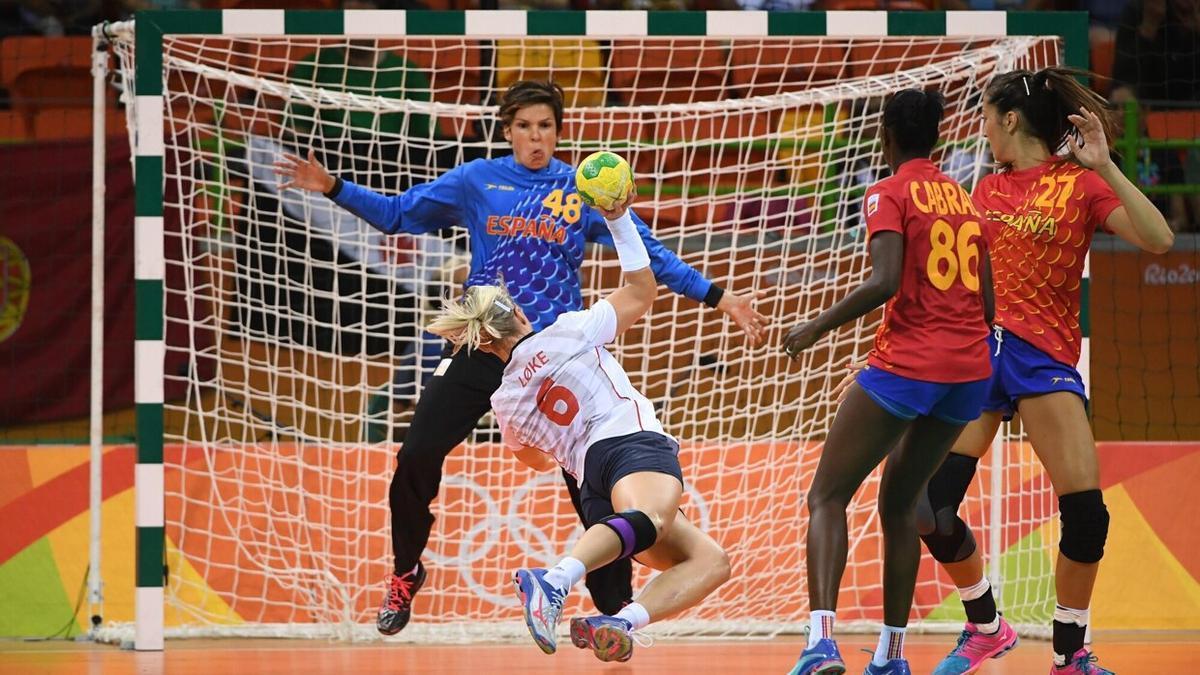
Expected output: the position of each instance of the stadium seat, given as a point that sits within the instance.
(887, 57)
(807, 125)
(761, 68)
(577, 65)
(1104, 51)
(12, 126)
(47, 71)
(603, 126)
(1173, 124)
(73, 123)
(690, 154)
(663, 71)
(454, 68)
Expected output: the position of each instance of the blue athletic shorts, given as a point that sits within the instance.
(1019, 369)
(611, 459)
(906, 398)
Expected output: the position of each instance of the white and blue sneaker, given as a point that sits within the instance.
(609, 638)
(822, 658)
(542, 603)
(893, 667)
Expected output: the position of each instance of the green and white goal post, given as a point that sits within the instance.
(753, 135)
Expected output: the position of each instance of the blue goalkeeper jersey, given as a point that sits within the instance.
(527, 227)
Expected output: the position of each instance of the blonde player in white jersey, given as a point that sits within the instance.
(565, 400)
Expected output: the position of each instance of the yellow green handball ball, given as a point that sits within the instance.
(603, 179)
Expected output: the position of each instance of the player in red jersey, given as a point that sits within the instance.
(1041, 210)
(927, 377)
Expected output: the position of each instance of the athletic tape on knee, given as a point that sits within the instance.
(1084, 526)
(634, 528)
(947, 537)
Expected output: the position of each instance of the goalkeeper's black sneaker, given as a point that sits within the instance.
(397, 604)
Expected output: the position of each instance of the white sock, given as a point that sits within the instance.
(636, 615)
(974, 592)
(566, 573)
(1079, 617)
(891, 645)
(820, 624)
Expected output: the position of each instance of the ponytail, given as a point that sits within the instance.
(1044, 99)
(485, 314)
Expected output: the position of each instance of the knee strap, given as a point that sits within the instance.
(635, 530)
(1084, 526)
(947, 537)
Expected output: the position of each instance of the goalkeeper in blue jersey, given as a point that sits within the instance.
(528, 226)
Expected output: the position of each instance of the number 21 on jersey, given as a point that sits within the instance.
(951, 255)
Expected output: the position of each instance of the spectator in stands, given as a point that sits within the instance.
(1160, 166)
(52, 18)
(1157, 62)
(1158, 50)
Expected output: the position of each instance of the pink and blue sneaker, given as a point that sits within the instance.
(542, 603)
(609, 638)
(892, 667)
(974, 648)
(1082, 662)
(822, 658)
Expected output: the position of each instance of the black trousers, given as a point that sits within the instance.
(448, 409)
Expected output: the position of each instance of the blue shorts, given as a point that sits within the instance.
(906, 398)
(1019, 369)
(611, 459)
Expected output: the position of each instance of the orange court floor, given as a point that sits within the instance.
(1125, 653)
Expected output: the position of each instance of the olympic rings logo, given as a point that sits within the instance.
(497, 519)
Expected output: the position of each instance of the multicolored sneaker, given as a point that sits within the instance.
(974, 648)
(1082, 663)
(609, 638)
(822, 658)
(893, 667)
(397, 604)
(542, 603)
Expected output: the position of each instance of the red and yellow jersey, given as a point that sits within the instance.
(933, 328)
(1039, 225)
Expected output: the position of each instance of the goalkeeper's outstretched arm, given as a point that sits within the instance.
(424, 208)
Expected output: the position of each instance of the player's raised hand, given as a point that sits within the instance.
(1092, 152)
(852, 369)
(740, 310)
(800, 337)
(298, 173)
(618, 210)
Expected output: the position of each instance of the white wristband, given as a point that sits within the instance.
(631, 250)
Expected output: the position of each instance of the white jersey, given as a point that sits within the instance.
(562, 390)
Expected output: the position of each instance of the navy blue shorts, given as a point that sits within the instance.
(1019, 369)
(611, 459)
(906, 398)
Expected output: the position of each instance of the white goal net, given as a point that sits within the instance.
(294, 341)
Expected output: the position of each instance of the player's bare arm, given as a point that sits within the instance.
(887, 257)
(1137, 220)
(633, 299)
